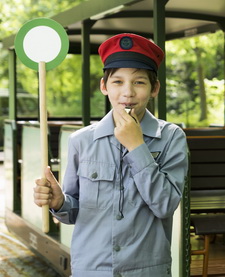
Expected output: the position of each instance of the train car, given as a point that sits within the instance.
(87, 25)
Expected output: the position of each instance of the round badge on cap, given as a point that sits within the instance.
(126, 43)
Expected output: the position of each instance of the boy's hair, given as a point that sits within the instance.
(151, 75)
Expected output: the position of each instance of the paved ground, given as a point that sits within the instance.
(15, 258)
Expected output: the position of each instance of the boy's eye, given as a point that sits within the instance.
(117, 82)
(139, 83)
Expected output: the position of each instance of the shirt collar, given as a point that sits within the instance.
(105, 127)
(150, 126)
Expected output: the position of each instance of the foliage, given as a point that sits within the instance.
(14, 13)
(64, 86)
(183, 98)
(27, 10)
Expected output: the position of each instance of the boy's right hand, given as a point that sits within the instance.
(48, 191)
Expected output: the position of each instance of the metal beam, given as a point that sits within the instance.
(224, 77)
(12, 85)
(168, 14)
(160, 38)
(85, 51)
(111, 32)
(209, 28)
(193, 15)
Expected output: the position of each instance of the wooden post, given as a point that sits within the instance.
(44, 138)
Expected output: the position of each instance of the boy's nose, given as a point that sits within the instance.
(128, 91)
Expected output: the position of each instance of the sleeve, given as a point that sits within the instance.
(161, 183)
(69, 211)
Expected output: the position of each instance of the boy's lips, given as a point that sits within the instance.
(131, 105)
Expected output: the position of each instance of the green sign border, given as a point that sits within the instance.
(41, 22)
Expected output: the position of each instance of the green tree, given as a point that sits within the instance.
(14, 13)
(190, 62)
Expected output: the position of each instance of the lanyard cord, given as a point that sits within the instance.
(121, 199)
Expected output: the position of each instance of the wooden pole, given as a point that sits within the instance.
(44, 138)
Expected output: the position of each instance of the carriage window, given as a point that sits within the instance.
(195, 80)
(97, 98)
(64, 87)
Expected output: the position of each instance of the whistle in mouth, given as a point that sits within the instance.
(128, 109)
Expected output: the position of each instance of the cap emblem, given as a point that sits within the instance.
(126, 43)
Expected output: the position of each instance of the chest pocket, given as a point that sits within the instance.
(96, 184)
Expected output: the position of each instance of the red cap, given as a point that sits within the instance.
(130, 51)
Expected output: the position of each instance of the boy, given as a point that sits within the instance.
(125, 174)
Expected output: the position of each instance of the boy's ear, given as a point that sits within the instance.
(156, 89)
(103, 87)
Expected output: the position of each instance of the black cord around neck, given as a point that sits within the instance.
(121, 199)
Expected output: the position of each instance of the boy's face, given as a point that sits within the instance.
(129, 87)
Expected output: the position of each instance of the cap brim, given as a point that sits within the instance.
(128, 64)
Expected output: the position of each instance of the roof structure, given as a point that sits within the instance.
(182, 18)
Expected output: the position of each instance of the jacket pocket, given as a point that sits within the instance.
(96, 184)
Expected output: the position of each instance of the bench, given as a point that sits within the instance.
(207, 188)
(207, 225)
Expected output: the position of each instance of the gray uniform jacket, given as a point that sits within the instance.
(145, 184)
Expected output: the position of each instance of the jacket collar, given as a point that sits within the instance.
(151, 126)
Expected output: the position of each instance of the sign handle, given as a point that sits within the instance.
(43, 137)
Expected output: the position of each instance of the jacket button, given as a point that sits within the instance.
(117, 248)
(119, 217)
(94, 175)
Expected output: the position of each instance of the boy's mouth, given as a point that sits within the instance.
(130, 105)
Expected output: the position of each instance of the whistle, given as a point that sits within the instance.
(128, 110)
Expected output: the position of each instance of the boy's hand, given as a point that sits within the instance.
(128, 130)
(48, 191)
